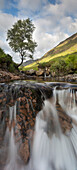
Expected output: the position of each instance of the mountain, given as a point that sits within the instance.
(67, 46)
(28, 62)
(65, 50)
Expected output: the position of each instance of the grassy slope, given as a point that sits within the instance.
(64, 49)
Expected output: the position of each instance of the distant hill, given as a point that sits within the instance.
(66, 50)
(28, 62)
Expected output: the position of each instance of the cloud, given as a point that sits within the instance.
(46, 41)
(69, 6)
(32, 5)
(73, 26)
(6, 22)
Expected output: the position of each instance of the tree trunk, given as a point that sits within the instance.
(21, 61)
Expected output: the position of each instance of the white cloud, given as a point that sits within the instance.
(70, 6)
(73, 26)
(46, 41)
(6, 22)
(32, 5)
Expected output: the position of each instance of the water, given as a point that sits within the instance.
(67, 100)
(51, 149)
(13, 161)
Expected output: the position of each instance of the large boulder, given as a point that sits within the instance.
(30, 72)
(40, 72)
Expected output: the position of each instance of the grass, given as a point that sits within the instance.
(50, 58)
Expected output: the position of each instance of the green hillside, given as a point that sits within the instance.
(65, 51)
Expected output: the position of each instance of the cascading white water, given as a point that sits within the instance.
(67, 100)
(12, 113)
(14, 161)
(52, 150)
(12, 153)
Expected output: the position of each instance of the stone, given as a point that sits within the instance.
(40, 72)
(34, 100)
(30, 72)
(18, 126)
(65, 120)
(24, 151)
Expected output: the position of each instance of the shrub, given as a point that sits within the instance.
(43, 65)
(11, 68)
(59, 67)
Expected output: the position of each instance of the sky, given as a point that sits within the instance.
(55, 20)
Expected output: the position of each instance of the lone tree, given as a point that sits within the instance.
(20, 38)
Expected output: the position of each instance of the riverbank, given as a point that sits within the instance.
(7, 77)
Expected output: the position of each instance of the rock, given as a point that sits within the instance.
(40, 72)
(24, 151)
(7, 76)
(47, 71)
(30, 72)
(18, 126)
(1, 101)
(65, 120)
(34, 100)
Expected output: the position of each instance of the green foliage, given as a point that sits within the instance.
(71, 61)
(20, 38)
(11, 68)
(44, 65)
(65, 65)
(5, 58)
(6, 62)
(1, 51)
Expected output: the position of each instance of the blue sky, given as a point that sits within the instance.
(55, 20)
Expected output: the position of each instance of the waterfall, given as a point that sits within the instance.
(67, 100)
(13, 161)
(51, 148)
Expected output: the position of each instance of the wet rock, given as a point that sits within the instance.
(24, 151)
(18, 126)
(65, 120)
